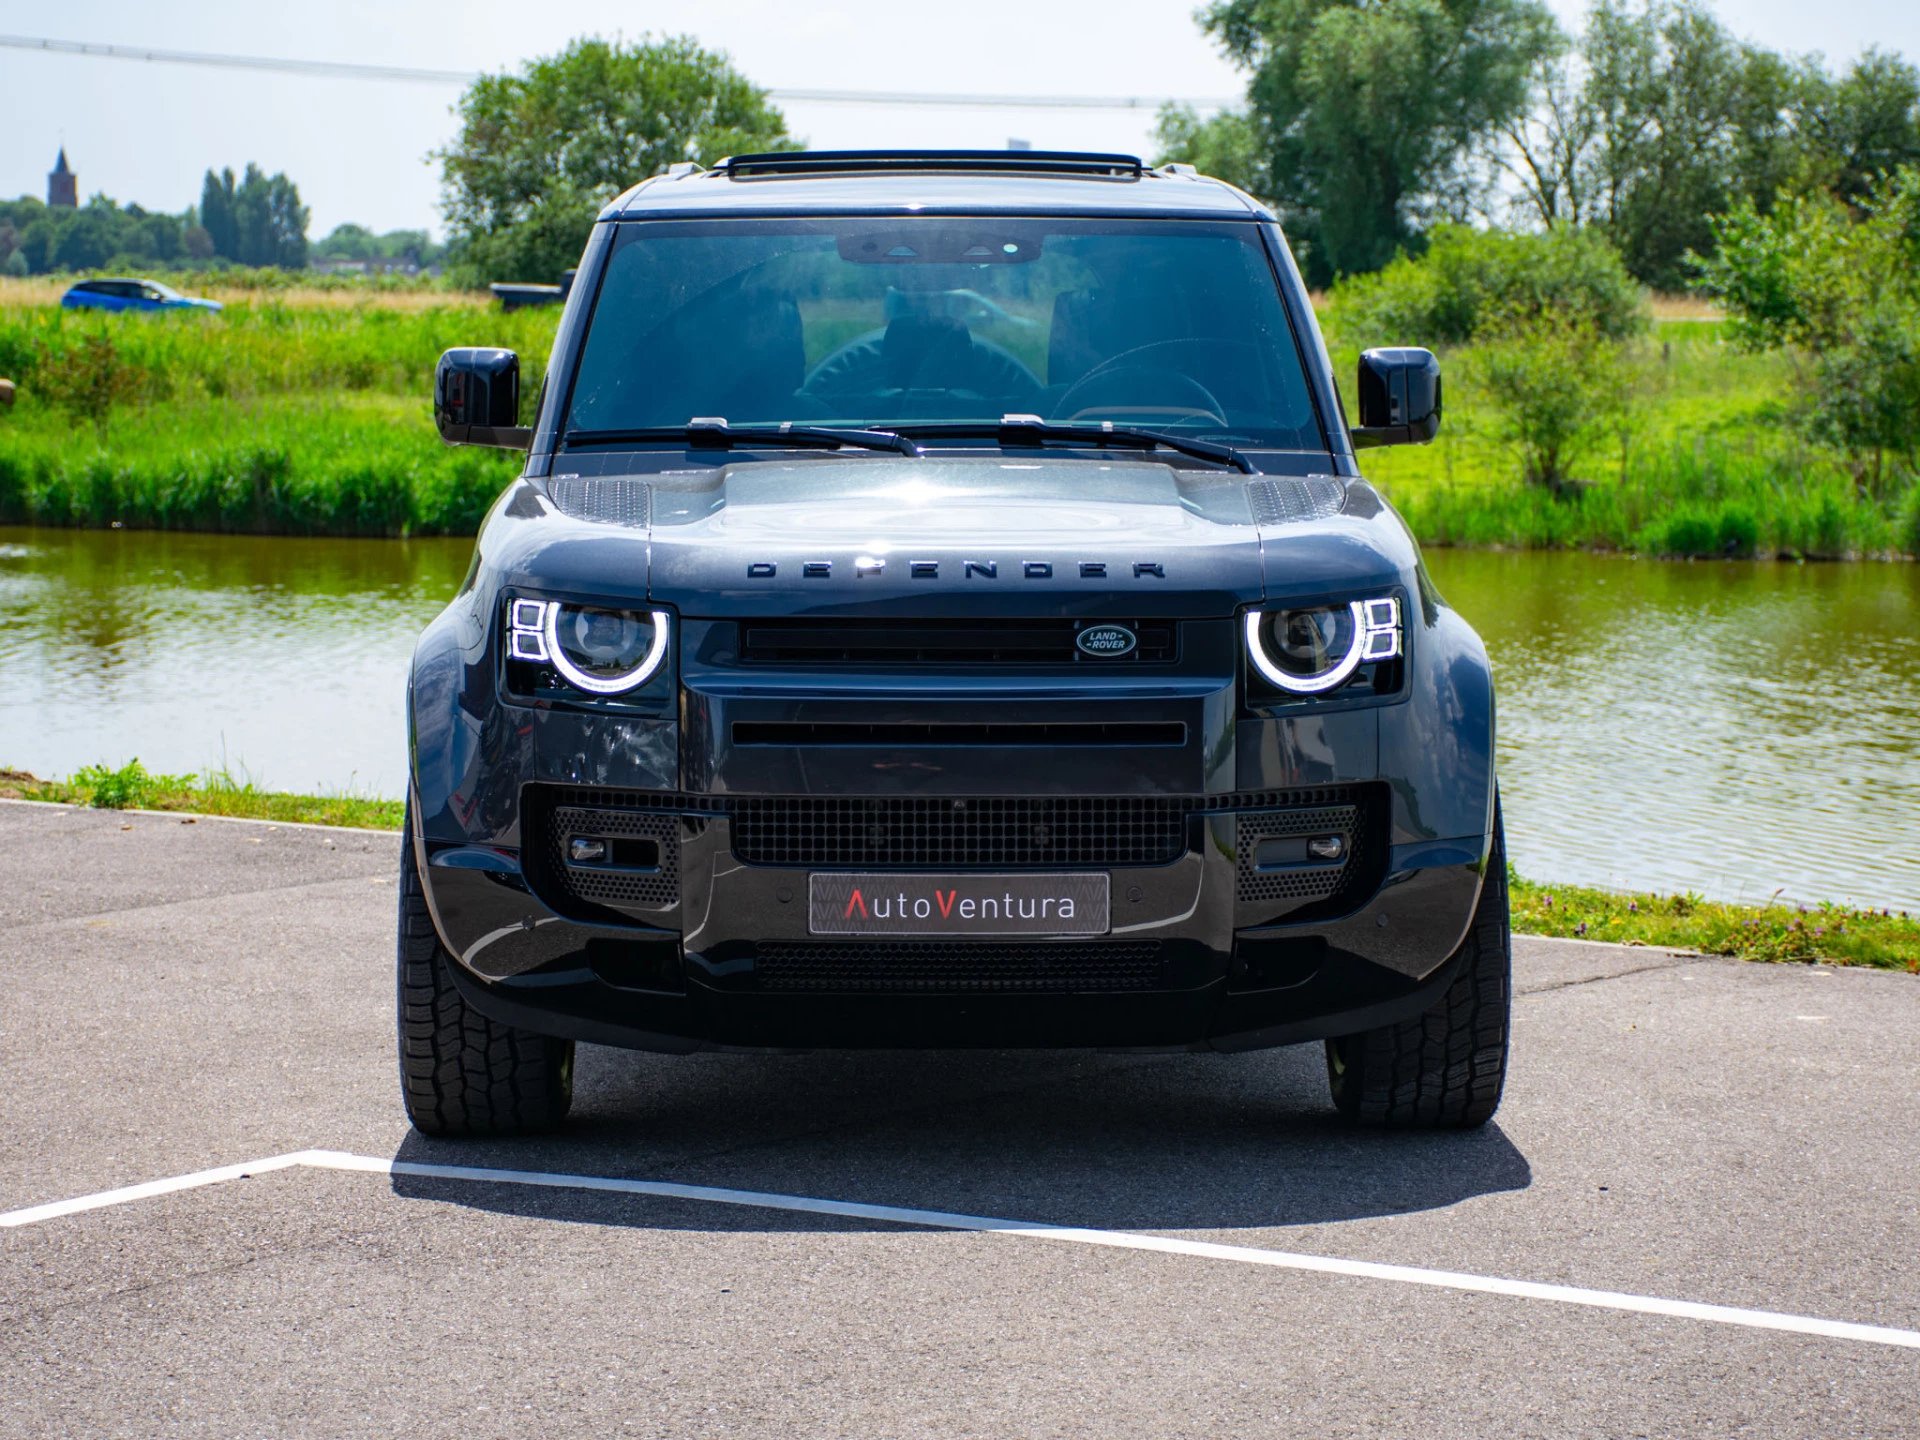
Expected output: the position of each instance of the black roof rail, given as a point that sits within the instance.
(1031, 162)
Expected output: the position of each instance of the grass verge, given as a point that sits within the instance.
(1833, 934)
(134, 787)
(1830, 934)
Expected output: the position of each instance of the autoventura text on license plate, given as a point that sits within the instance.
(1067, 904)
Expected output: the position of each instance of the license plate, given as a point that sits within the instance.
(1070, 904)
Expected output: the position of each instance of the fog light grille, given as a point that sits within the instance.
(1309, 878)
(602, 883)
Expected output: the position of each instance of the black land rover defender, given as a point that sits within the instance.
(941, 607)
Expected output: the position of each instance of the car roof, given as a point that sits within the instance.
(933, 182)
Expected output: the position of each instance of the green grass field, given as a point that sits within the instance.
(1708, 461)
(305, 411)
(287, 413)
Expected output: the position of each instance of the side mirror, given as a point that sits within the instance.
(476, 399)
(1399, 398)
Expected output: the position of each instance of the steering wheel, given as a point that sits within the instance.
(859, 369)
(1130, 373)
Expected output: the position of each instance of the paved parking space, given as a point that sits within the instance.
(183, 997)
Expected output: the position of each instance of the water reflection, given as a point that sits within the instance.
(284, 658)
(1730, 728)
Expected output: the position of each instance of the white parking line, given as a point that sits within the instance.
(945, 1220)
(34, 1214)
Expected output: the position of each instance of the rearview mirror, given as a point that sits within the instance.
(1399, 397)
(476, 399)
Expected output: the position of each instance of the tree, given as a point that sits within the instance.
(1228, 146)
(1370, 112)
(1840, 288)
(348, 242)
(1667, 85)
(39, 238)
(1661, 119)
(1469, 284)
(216, 214)
(1864, 125)
(270, 223)
(540, 152)
(89, 238)
(357, 242)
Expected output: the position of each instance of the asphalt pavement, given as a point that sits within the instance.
(1679, 1132)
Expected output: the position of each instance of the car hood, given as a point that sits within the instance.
(937, 536)
(954, 537)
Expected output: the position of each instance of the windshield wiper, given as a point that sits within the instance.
(714, 433)
(1032, 430)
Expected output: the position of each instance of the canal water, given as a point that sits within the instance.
(1735, 729)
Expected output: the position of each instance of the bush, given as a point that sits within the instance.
(129, 787)
(86, 379)
(1470, 282)
(1558, 385)
(1844, 292)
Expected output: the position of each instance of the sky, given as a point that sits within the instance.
(358, 149)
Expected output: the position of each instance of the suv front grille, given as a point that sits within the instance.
(911, 831)
(1042, 832)
(959, 965)
(946, 642)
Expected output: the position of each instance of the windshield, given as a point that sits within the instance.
(1175, 325)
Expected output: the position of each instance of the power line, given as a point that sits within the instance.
(348, 70)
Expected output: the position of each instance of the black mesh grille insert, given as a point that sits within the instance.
(913, 831)
(1041, 832)
(948, 642)
(1128, 733)
(959, 966)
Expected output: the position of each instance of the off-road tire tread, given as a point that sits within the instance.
(461, 1073)
(1444, 1068)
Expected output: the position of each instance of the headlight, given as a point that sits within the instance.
(594, 648)
(1314, 648)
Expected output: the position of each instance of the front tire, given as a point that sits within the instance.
(462, 1073)
(1444, 1069)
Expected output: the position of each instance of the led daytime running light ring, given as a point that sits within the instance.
(1363, 629)
(597, 684)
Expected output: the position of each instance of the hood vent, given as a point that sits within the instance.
(609, 502)
(1289, 501)
(949, 642)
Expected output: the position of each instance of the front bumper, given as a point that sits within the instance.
(722, 956)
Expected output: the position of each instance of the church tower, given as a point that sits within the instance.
(63, 186)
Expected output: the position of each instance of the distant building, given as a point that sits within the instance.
(63, 186)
